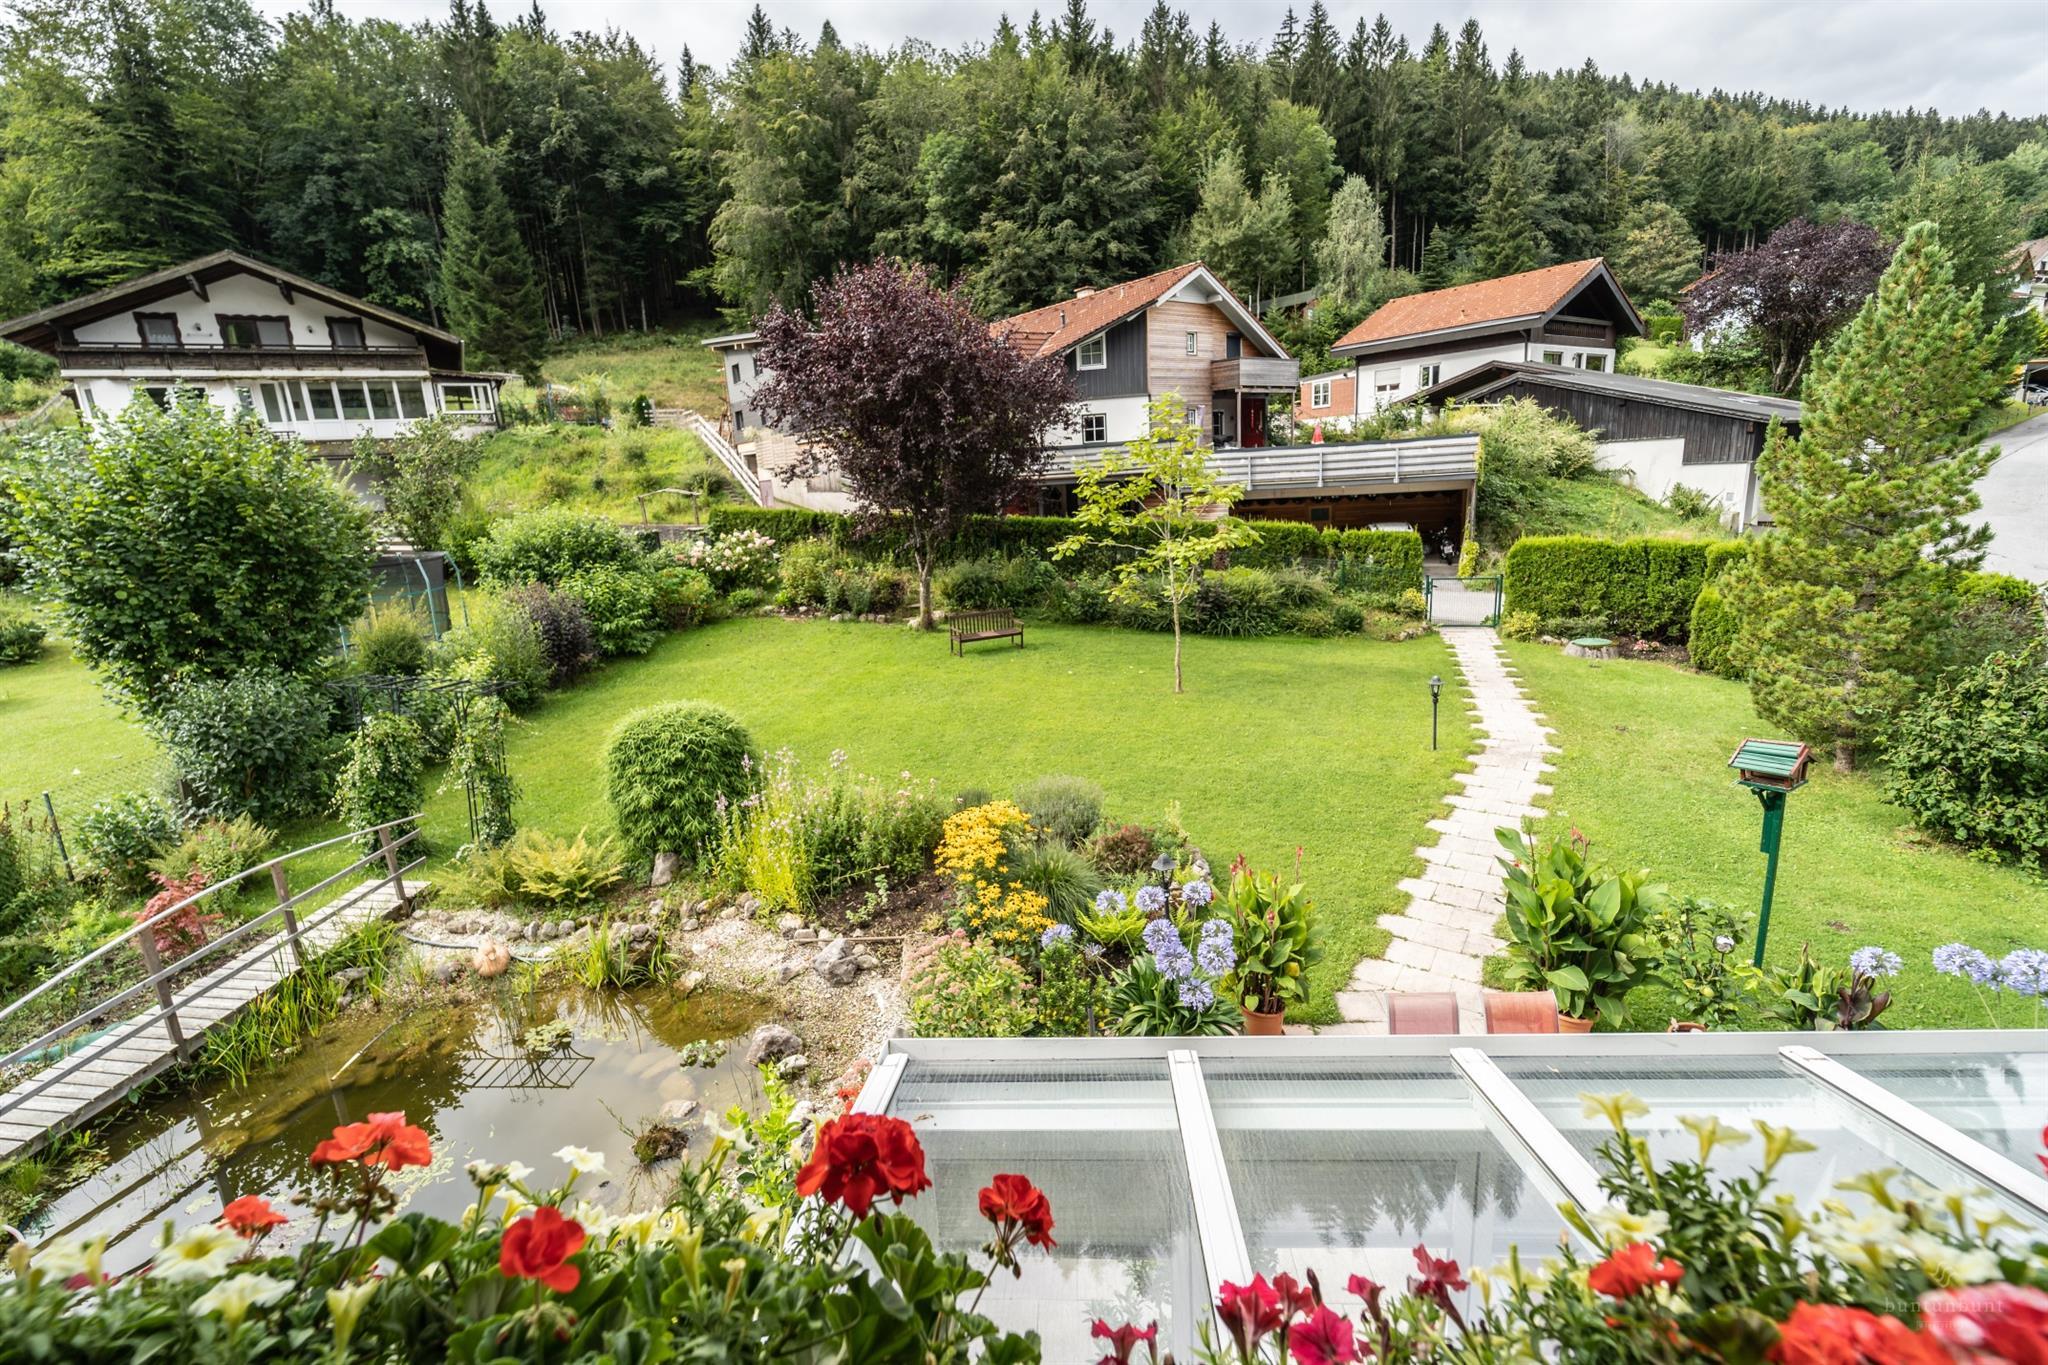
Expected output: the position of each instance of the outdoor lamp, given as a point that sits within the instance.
(1773, 769)
(1436, 691)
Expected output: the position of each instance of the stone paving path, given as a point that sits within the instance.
(1455, 903)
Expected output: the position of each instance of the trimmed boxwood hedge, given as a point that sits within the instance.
(1642, 586)
(1395, 556)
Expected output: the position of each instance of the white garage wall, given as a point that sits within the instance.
(1655, 466)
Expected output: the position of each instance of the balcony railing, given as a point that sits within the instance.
(1437, 459)
(127, 356)
(1254, 372)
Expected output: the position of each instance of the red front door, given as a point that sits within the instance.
(1254, 433)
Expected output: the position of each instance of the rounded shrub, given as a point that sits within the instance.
(1710, 638)
(972, 585)
(252, 743)
(123, 834)
(668, 767)
(1968, 761)
(498, 645)
(21, 634)
(1237, 602)
(1065, 808)
(551, 545)
(623, 604)
(562, 628)
(390, 640)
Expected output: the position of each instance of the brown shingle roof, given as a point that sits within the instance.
(1529, 294)
(1051, 329)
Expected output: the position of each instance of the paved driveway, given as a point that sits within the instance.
(2015, 495)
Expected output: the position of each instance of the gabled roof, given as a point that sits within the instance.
(1483, 380)
(1489, 305)
(1052, 329)
(37, 330)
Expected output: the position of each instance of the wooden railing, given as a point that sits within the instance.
(735, 465)
(391, 836)
(128, 356)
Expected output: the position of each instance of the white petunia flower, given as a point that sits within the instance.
(233, 1298)
(1953, 1266)
(201, 1253)
(582, 1160)
(1618, 1227)
(69, 1256)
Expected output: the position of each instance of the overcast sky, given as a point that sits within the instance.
(1956, 55)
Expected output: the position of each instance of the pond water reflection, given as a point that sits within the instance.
(462, 1072)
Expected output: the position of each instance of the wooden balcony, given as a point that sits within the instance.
(1254, 374)
(1440, 461)
(128, 357)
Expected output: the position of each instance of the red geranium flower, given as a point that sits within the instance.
(1629, 1271)
(1824, 1334)
(862, 1156)
(1990, 1322)
(1323, 1338)
(1123, 1340)
(538, 1247)
(1250, 1312)
(1012, 1201)
(382, 1140)
(251, 1216)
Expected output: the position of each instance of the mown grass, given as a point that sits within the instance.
(64, 735)
(1644, 775)
(594, 470)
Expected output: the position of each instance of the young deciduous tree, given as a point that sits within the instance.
(488, 287)
(1353, 252)
(1839, 604)
(419, 475)
(1657, 256)
(1791, 292)
(927, 416)
(1158, 499)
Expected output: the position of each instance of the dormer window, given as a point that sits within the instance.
(157, 329)
(345, 334)
(1092, 354)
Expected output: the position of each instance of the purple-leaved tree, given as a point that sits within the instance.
(925, 415)
(1791, 291)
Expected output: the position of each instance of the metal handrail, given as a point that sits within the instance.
(748, 480)
(111, 944)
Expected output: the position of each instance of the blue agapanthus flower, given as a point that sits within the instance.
(1162, 937)
(1197, 994)
(1874, 961)
(1197, 893)
(1058, 933)
(1216, 956)
(1151, 899)
(2024, 971)
(1111, 902)
(1960, 959)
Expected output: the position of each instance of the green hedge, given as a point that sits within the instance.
(1711, 638)
(1723, 555)
(1394, 557)
(1642, 586)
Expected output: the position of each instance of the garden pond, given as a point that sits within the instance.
(476, 1075)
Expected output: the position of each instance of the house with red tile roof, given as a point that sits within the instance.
(1570, 315)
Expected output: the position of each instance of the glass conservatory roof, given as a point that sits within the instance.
(1174, 1164)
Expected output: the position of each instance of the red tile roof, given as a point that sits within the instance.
(1529, 294)
(1051, 329)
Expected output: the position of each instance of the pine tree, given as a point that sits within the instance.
(489, 293)
(1437, 258)
(1504, 238)
(1839, 604)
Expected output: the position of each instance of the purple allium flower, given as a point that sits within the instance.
(1874, 961)
(1960, 959)
(1110, 902)
(1151, 899)
(2024, 971)
(1058, 933)
(1197, 994)
(1197, 893)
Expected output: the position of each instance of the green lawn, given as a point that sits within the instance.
(590, 469)
(1644, 776)
(63, 735)
(1279, 744)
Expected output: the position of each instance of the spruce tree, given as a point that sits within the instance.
(1839, 605)
(489, 294)
(1504, 240)
(1437, 258)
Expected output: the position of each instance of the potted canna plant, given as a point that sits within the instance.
(1580, 931)
(1274, 929)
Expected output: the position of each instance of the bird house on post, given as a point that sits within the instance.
(1773, 769)
(1777, 765)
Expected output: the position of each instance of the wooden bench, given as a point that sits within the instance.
(965, 627)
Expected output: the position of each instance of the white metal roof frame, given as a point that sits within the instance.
(1547, 1157)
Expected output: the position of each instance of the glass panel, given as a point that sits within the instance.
(347, 333)
(322, 398)
(273, 410)
(1104, 1144)
(412, 400)
(1736, 1090)
(1998, 1098)
(354, 406)
(382, 403)
(1344, 1167)
(274, 331)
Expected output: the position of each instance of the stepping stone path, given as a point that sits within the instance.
(1455, 903)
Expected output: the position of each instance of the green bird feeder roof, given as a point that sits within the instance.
(1774, 764)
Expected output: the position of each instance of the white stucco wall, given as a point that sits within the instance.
(103, 396)
(1454, 361)
(1127, 419)
(198, 322)
(1656, 466)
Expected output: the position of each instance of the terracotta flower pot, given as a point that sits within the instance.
(1567, 1024)
(1685, 1026)
(1261, 1024)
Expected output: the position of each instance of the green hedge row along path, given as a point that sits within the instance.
(1278, 743)
(1395, 556)
(1644, 775)
(1645, 586)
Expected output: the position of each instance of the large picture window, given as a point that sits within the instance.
(466, 398)
(1092, 354)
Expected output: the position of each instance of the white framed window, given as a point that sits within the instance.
(1092, 354)
(1194, 343)
(466, 398)
(1425, 375)
(1386, 383)
(1594, 362)
(1553, 357)
(1319, 394)
(1094, 427)
(412, 398)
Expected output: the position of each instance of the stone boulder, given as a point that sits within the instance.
(665, 865)
(836, 963)
(771, 1043)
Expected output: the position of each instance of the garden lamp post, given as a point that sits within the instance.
(1773, 769)
(1436, 691)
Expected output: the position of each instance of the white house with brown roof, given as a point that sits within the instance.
(1568, 315)
(308, 361)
